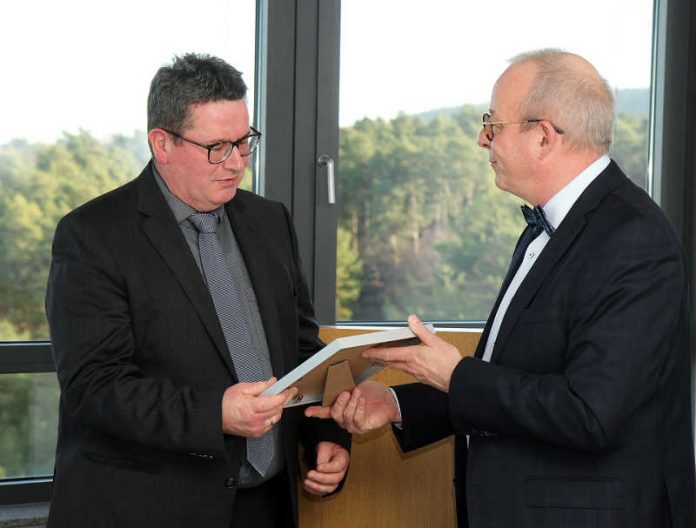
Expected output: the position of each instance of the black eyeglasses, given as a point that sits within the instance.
(219, 152)
(490, 132)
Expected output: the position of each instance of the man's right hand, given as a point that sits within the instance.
(246, 413)
(367, 407)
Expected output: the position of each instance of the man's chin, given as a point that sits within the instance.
(499, 182)
(231, 193)
(225, 194)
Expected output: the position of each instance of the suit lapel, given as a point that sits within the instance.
(512, 268)
(564, 237)
(258, 258)
(160, 227)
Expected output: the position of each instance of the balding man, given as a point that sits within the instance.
(577, 403)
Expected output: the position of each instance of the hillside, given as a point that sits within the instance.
(634, 101)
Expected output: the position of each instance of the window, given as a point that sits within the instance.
(421, 226)
(75, 49)
(73, 123)
(29, 422)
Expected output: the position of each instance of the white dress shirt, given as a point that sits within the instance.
(555, 210)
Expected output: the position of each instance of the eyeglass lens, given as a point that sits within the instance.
(222, 151)
(487, 127)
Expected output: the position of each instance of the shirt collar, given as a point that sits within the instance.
(181, 210)
(560, 203)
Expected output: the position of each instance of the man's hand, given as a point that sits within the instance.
(432, 361)
(369, 406)
(245, 413)
(332, 463)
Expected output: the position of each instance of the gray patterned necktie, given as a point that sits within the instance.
(227, 294)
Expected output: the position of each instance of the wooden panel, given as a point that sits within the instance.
(386, 488)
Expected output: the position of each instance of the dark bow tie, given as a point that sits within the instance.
(536, 219)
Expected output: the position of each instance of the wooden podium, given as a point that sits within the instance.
(386, 488)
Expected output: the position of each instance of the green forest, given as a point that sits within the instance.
(422, 229)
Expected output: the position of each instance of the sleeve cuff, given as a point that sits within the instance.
(398, 425)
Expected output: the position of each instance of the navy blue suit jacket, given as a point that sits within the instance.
(583, 416)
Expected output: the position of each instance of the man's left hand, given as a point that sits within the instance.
(431, 362)
(332, 464)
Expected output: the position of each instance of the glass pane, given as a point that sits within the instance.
(422, 227)
(28, 424)
(73, 107)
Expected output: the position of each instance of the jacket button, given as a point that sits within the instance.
(231, 483)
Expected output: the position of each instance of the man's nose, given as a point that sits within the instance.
(483, 140)
(235, 160)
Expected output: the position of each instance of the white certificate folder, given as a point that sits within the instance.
(310, 376)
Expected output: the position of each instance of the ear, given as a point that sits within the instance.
(549, 140)
(160, 145)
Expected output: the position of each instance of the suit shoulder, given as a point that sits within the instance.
(109, 206)
(613, 204)
(631, 204)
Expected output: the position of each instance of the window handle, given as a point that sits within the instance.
(328, 162)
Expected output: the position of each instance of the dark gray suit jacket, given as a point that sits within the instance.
(142, 361)
(583, 416)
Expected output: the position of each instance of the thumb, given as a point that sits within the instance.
(257, 387)
(421, 331)
(323, 453)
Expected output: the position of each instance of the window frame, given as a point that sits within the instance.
(32, 357)
(301, 121)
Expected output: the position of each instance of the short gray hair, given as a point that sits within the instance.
(190, 79)
(568, 91)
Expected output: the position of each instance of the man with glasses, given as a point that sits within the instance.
(173, 302)
(577, 404)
